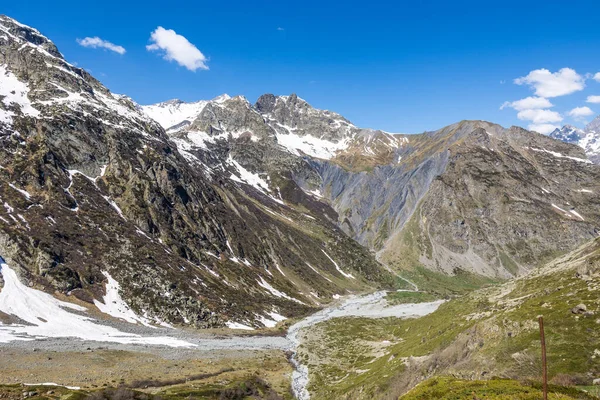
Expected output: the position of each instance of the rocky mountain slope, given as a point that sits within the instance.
(506, 201)
(472, 197)
(587, 138)
(93, 190)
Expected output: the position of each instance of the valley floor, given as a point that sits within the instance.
(217, 360)
(375, 346)
(151, 370)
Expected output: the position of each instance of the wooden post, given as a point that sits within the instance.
(544, 365)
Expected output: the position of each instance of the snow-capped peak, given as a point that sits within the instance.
(567, 133)
(176, 112)
(587, 138)
(221, 98)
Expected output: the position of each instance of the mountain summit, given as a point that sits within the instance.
(587, 138)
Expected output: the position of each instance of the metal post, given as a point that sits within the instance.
(544, 365)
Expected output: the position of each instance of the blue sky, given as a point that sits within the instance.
(397, 66)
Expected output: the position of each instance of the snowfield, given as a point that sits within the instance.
(310, 145)
(115, 306)
(13, 91)
(174, 112)
(45, 316)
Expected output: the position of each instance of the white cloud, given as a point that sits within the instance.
(280, 29)
(543, 128)
(177, 48)
(597, 77)
(593, 99)
(539, 116)
(548, 84)
(95, 42)
(528, 103)
(580, 113)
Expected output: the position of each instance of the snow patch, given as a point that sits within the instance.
(14, 92)
(248, 177)
(276, 317)
(310, 145)
(575, 213)
(264, 284)
(49, 317)
(115, 206)
(568, 214)
(52, 384)
(558, 155)
(25, 193)
(237, 325)
(268, 323)
(338, 267)
(114, 305)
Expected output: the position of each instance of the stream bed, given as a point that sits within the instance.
(372, 305)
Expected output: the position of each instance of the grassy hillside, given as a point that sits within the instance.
(492, 332)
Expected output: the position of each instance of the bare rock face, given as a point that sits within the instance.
(579, 309)
(89, 183)
(594, 125)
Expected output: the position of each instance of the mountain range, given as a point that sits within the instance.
(227, 213)
(367, 261)
(471, 197)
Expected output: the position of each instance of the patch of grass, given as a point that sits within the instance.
(349, 364)
(445, 388)
(402, 284)
(444, 285)
(395, 298)
(508, 263)
(572, 339)
(249, 387)
(145, 383)
(591, 390)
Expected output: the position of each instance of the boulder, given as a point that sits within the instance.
(579, 309)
